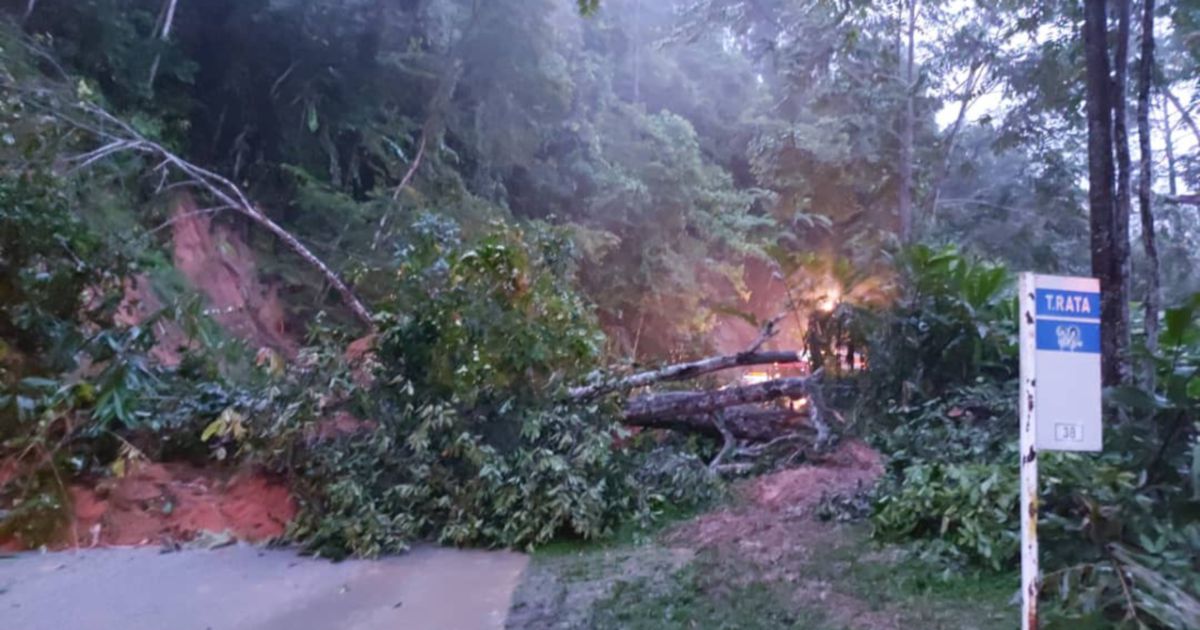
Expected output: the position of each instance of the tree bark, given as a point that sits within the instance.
(684, 371)
(745, 423)
(1124, 208)
(1169, 147)
(1101, 178)
(167, 22)
(907, 123)
(698, 403)
(1145, 180)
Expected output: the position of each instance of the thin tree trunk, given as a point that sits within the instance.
(227, 193)
(165, 34)
(906, 125)
(1169, 147)
(1124, 208)
(29, 8)
(637, 51)
(1183, 112)
(964, 103)
(1145, 180)
(1101, 177)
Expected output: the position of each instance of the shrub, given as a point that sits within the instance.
(474, 443)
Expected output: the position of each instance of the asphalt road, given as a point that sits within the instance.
(247, 588)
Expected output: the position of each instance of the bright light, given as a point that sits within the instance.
(754, 378)
(828, 302)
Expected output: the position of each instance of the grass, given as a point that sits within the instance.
(631, 587)
(707, 593)
(923, 594)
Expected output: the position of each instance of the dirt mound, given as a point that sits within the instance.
(773, 526)
(772, 506)
(174, 503)
(849, 468)
(773, 515)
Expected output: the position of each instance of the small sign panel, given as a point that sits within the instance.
(1066, 317)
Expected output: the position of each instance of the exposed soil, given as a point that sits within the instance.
(219, 263)
(768, 535)
(772, 526)
(169, 504)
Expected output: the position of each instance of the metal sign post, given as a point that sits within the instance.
(1059, 405)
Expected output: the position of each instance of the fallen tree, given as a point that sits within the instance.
(685, 371)
(752, 423)
(692, 403)
(752, 355)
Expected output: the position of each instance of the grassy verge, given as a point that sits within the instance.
(845, 583)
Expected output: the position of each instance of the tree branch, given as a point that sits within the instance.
(223, 190)
(750, 423)
(684, 371)
(693, 403)
(1183, 112)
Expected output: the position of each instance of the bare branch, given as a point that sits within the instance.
(1183, 112)
(412, 170)
(220, 188)
(692, 403)
(684, 371)
(751, 423)
(730, 442)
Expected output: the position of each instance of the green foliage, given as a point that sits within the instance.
(1118, 531)
(472, 444)
(43, 277)
(954, 321)
(965, 510)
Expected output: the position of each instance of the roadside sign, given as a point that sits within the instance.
(1059, 405)
(1067, 363)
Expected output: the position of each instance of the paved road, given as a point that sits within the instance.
(246, 588)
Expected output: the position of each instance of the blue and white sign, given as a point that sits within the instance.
(1065, 314)
(1060, 395)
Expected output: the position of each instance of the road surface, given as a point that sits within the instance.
(247, 588)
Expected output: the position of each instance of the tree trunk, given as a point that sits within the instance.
(907, 123)
(167, 22)
(699, 403)
(970, 85)
(1101, 178)
(1121, 245)
(1169, 147)
(689, 370)
(745, 423)
(1145, 180)
(1183, 112)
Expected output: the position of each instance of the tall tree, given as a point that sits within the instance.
(907, 45)
(1124, 208)
(1169, 146)
(1145, 179)
(1101, 198)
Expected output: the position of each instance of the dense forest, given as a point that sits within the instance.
(443, 265)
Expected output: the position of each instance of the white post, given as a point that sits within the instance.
(1029, 472)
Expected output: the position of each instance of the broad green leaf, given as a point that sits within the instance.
(1132, 398)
